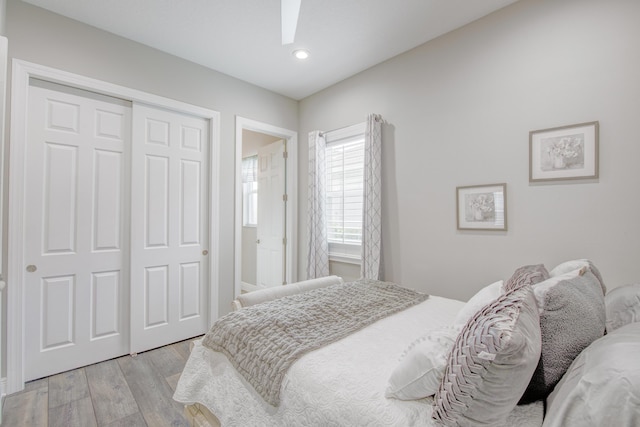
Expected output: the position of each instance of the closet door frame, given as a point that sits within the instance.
(22, 72)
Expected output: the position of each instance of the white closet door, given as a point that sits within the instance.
(76, 200)
(169, 227)
(271, 211)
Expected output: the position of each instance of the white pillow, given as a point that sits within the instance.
(623, 306)
(601, 386)
(483, 297)
(422, 365)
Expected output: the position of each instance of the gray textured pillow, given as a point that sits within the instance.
(572, 316)
(526, 275)
(577, 264)
(491, 362)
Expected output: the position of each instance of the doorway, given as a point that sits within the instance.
(265, 239)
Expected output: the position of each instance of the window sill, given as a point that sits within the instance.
(345, 259)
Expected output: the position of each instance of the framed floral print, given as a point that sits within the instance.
(568, 152)
(482, 207)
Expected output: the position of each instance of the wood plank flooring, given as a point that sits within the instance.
(123, 392)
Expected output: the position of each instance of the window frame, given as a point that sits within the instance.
(249, 189)
(339, 251)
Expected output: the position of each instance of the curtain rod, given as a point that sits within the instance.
(376, 117)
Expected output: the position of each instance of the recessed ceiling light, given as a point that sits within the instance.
(301, 53)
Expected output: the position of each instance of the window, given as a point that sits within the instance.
(250, 191)
(344, 190)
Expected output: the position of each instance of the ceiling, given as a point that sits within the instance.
(242, 38)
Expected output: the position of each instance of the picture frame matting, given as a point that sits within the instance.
(482, 207)
(564, 153)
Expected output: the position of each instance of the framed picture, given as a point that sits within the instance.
(568, 152)
(482, 207)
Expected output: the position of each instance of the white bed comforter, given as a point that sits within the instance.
(342, 384)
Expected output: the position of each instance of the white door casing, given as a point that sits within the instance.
(76, 234)
(169, 227)
(22, 73)
(291, 226)
(271, 215)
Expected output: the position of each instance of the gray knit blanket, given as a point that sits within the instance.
(262, 341)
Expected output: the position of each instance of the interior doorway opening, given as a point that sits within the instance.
(265, 221)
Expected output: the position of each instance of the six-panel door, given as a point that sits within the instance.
(169, 227)
(76, 222)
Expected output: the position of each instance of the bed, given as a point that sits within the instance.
(411, 367)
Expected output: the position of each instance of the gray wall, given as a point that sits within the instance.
(459, 110)
(39, 36)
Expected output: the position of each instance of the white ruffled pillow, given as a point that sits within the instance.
(422, 365)
(483, 297)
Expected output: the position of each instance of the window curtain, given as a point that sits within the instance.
(318, 255)
(372, 206)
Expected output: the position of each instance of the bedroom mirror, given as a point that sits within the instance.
(266, 206)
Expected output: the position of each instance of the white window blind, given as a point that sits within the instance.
(344, 191)
(250, 191)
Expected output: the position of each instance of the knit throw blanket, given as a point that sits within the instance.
(262, 341)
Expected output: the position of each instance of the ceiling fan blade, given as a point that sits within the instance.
(290, 9)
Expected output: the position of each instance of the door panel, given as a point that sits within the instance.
(156, 296)
(156, 208)
(108, 199)
(190, 204)
(105, 294)
(57, 296)
(60, 174)
(76, 287)
(169, 241)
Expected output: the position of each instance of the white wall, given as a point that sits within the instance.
(39, 36)
(459, 110)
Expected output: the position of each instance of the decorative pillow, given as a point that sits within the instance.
(491, 362)
(483, 297)
(422, 364)
(601, 386)
(526, 275)
(572, 316)
(622, 306)
(541, 288)
(576, 264)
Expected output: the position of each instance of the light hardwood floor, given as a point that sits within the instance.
(127, 391)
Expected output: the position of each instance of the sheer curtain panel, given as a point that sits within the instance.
(318, 255)
(372, 201)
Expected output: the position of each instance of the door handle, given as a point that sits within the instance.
(31, 268)
(258, 241)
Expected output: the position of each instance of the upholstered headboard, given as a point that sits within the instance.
(269, 294)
